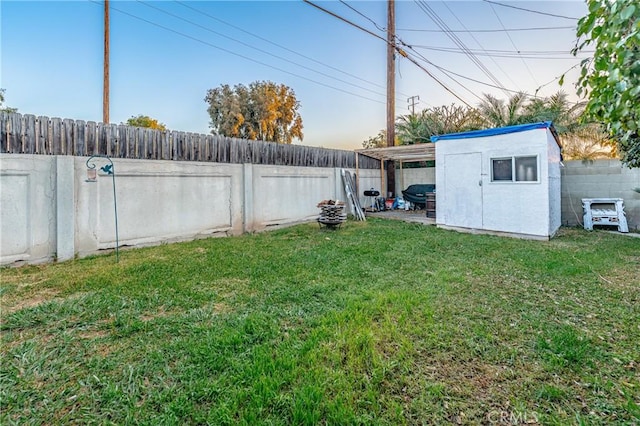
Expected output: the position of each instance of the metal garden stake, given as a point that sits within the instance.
(92, 176)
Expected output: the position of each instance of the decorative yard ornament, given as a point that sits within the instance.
(92, 176)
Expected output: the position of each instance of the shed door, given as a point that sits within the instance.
(463, 190)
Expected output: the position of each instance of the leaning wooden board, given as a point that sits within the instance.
(352, 195)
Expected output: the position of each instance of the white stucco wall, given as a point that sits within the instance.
(520, 208)
(157, 201)
(288, 194)
(414, 176)
(27, 208)
(49, 210)
(367, 179)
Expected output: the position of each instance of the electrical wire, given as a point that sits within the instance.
(258, 49)
(514, 45)
(480, 44)
(494, 55)
(558, 77)
(400, 51)
(278, 45)
(440, 23)
(363, 15)
(495, 30)
(353, 24)
(502, 51)
(532, 11)
(448, 73)
(235, 54)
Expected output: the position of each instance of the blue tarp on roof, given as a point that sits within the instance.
(496, 131)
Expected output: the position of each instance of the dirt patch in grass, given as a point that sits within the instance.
(93, 334)
(30, 301)
(160, 312)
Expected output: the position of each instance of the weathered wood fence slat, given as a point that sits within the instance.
(28, 134)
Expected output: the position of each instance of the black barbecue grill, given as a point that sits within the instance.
(373, 195)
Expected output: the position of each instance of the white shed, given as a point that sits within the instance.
(504, 180)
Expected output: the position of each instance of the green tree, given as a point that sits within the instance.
(146, 121)
(377, 141)
(262, 111)
(418, 128)
(566, 116)
(611, 80)
(411, 129)
(5, 108)
(498, 113)
(580, 138)
(587, 143)
(451, 119)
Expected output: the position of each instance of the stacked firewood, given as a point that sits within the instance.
(331, 212)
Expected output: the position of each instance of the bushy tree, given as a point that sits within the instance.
(418, 128)
(4, 108)
(377, 141)
(262, 111)
(146, 121)
(612, 79)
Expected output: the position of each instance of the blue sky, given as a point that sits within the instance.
(166, 54)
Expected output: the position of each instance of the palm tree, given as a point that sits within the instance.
(418, 128)
(566, 117)
(496, 113)
(411, 129)
(580, 140)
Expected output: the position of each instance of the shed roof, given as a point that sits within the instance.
(416, 152)
(497, 131)
(427, 151)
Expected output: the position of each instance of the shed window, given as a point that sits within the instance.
(514, 169)
(502, 169)
(526, 169)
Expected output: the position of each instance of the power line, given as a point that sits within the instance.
(440, 23)
(558, 77)
(236, 54)
(353, 24)
(277, 45)
(503, 51)
(513, 44)
(495, 30)
(494, 55)
(481, 46)
(438, 81)
(532, 11)
(363, 15)
(400, 51)
(447, 71)
(258, 49)
(535, 96)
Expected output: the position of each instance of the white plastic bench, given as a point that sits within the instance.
(604, 211)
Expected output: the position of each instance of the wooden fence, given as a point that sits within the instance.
(28, 134)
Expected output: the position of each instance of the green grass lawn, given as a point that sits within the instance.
(381, 322)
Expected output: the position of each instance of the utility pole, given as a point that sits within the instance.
(105, 85)
(391, 91)
(412, 101)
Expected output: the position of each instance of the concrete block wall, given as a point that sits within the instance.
(599, 179)
(49, 211)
